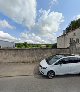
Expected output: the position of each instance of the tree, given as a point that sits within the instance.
(19, 45)
(73, 25)
(54, 45)
(25, 45)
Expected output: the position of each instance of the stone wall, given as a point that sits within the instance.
(28, 55)
(75, 50)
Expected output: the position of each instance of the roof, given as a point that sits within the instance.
(68, 33)
(6, 41)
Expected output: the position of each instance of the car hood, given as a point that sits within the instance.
(43, 63)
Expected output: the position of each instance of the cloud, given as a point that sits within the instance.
(5, 24)
(38, 39)
(22, 11)
(31, 38)
(7, 37)
(78, 16)
(44, 30)
(49, 21)
(41, 30)
(52, 2)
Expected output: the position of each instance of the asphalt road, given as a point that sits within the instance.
(37, 83)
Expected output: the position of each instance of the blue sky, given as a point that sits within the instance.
(36, 21)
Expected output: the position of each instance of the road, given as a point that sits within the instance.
(37, 83)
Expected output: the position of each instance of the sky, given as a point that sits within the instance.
(36, 21)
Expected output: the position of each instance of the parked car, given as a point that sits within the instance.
(60, 65)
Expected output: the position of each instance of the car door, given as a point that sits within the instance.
(61, 67)
(74, 65)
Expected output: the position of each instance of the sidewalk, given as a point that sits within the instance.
(16, 69)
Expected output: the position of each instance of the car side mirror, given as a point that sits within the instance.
(61, 63)
(58, 63)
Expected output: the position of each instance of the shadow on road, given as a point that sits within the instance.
(37, 74)
(67, 76)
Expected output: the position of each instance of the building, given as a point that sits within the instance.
(68, 39)
(6, 44)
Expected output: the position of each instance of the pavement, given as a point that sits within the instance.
(17, 69)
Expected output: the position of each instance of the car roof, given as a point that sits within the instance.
(66, 56)
(74, 56)
(71, 56)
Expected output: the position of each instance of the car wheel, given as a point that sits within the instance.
(51, 74)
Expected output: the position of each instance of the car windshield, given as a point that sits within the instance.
(50, 60)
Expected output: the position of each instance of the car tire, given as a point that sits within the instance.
(50, 74)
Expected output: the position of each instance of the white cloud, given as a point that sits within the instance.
(31, 38)
(78, 16)
(52, 2)
(35, 38)
(22, 11)
(49, 22)
(45, 29)
(5, 24)
(7, 37)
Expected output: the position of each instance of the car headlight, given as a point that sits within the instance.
(44, 67)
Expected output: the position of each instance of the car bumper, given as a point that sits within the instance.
(43, 71)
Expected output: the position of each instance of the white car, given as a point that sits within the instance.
(60, 65)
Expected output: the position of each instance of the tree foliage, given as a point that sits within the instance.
(54, 45)
(26, 45)
(73, 25)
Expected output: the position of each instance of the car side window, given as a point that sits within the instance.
(78, 60)
(62, 61)
(74, 60)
